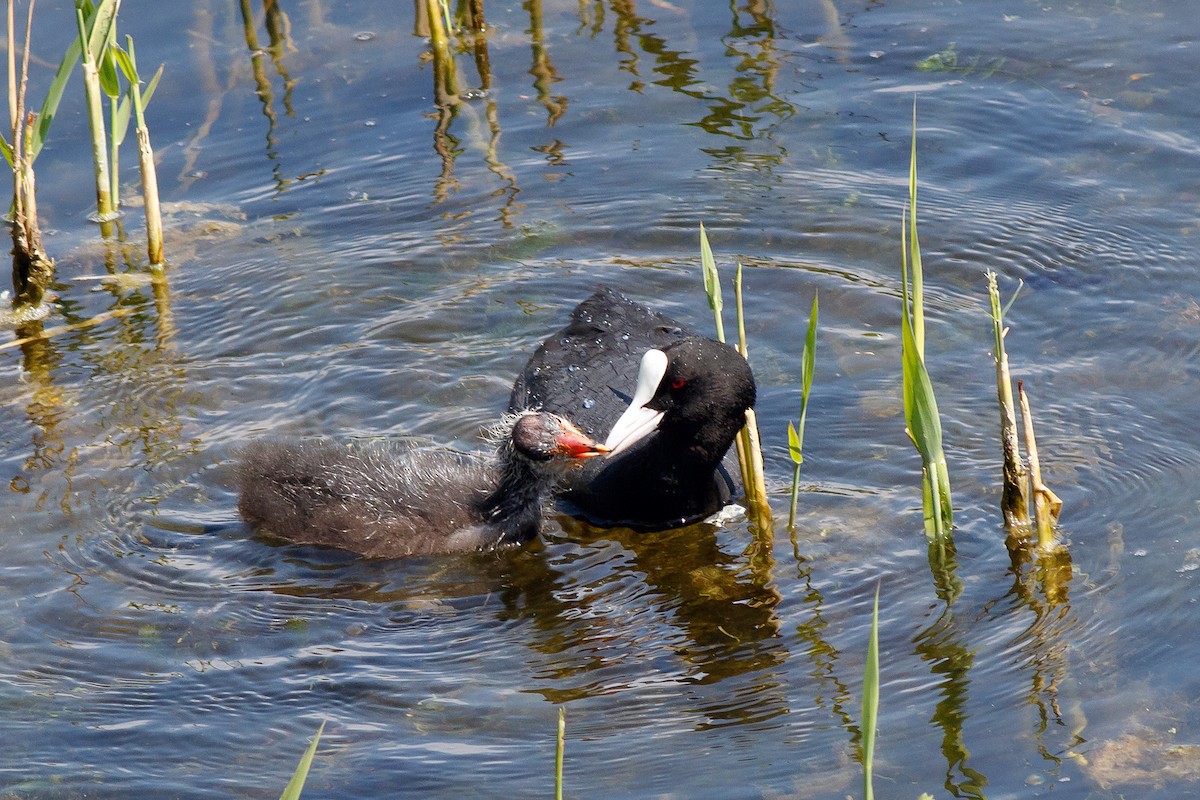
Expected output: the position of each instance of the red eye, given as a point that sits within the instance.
(678, 383)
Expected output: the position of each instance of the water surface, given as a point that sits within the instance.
(364, 242)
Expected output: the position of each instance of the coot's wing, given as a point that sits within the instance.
(586, 371)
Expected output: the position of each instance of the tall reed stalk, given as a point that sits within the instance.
(99, 78)
(32, 269)
(749, 449)
(560, 740)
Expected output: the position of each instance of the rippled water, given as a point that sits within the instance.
(363, 244)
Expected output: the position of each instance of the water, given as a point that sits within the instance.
(352, 256)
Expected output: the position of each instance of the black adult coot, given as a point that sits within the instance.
(386, 501)
(692, 395)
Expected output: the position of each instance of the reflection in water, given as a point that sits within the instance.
(673, 600)
(204, 62)
(942, 646)
(542, 69)
(46, 410)
(1040, 583)
(279, 37)
(450, 100)
(943, 565)
(747, 110)
(612, 611)
(129, 352)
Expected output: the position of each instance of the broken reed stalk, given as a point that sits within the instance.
(1046, 504)
(1014, 498)
(32, 269)
(750, 451)
(154, 243)
(747, 442)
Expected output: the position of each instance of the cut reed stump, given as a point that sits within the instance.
(1014, 498)
(1023, 484)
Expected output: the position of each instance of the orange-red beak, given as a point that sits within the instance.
(573, 443)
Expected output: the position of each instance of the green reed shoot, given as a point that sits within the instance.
(748, 447)
(796, 432)
(96, 26)
(922, 422)
(121, 104)
(712, 283)
(296, 784)
(870, 702)
(559, 748)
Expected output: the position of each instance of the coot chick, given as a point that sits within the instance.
(387, 501)
(692, 393)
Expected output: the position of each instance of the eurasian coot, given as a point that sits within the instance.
(386, 501)
(692, 391)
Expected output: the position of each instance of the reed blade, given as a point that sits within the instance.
(296, 784)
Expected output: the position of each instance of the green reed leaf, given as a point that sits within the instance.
(296, 784)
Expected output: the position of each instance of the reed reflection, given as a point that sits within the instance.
(128, 350)
(47, 409)
(279, 42)
(747, 110)
(943, 646)
(670, 606)
(617, 611)
(433, 22)
(1041, 583)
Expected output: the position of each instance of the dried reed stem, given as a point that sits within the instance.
(1046, 504)
(1014, 499)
